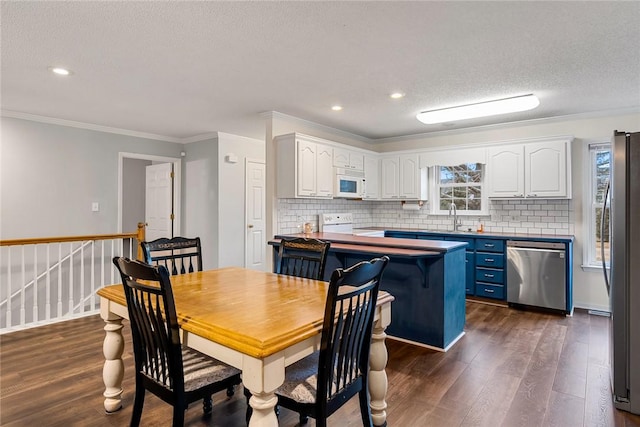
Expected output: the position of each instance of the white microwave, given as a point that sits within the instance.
(349, 183)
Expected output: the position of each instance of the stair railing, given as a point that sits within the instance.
(46, 280)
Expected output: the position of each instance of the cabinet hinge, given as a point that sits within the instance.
(172, 217)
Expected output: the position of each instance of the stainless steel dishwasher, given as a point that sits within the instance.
(536, 274)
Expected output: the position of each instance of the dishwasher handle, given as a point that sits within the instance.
(543, 246)
(547, 251)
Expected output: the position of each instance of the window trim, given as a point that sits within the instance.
(589, 255)
(484, 200)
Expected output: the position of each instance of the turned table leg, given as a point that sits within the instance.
(263, 405)
(377, 375)
(113, 370)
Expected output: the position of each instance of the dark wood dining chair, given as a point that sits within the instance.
(179, 255)
(178, 375)
(303, 257)
(321, 383)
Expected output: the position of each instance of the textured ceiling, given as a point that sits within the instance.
(182, 69)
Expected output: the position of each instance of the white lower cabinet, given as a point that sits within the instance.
(530, 170)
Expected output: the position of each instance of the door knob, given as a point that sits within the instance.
(250, 226)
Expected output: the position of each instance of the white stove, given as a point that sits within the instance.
(343, 223)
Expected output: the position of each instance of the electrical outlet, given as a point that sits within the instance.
(95, 207)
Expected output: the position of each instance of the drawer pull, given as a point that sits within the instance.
(489, 260)
(488, 275)
(489, 291)
(489, 245)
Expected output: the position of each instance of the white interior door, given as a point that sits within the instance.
(255, 241)
(159, 201)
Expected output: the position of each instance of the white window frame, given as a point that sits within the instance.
(589, 250)
(484, 201)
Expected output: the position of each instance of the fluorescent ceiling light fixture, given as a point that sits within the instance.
(60, 71)
(482, 109)
(396, 95)
(336, 108)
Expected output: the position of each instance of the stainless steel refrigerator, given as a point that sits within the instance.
(624, 281)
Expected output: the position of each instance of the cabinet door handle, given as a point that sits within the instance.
(489, 291)
(489, 259)
(532, 195)
(488, 275)
(489, 245)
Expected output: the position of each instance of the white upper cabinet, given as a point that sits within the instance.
(531, 170)
(343, 158)
(324, 171)
(547, 170)
(402, 178)
(505, 171)
(305, 167)
(371, 177)
(390, 168)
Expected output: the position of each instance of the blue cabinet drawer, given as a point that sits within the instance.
(490, 245)
(488, 290)
(489, 275)
(471, 243)
(489, 260)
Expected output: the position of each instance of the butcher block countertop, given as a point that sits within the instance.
(421, 246)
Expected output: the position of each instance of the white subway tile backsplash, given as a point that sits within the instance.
(530, 216)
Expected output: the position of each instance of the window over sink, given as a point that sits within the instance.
(461, 185)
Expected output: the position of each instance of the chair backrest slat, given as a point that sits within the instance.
(303, 257)
(347, 328)
(178, 255)
(154, 324)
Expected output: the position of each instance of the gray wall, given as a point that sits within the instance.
(50, 175)
(200, 194)
(231, 191)
(214, 192)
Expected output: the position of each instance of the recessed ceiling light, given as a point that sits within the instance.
(397, 95)
(336, 108)
(482, 109)
(60, 71)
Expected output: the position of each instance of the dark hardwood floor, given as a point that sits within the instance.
(512, 368)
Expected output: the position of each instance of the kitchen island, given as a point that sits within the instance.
(427, 279)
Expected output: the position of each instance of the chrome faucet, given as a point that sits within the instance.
(456, 224)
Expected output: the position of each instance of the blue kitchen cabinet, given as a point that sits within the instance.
(470, 263)
(490, 277)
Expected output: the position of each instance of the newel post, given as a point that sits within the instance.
(140, 238)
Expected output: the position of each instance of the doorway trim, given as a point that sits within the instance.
(247, 161)
(177, 185)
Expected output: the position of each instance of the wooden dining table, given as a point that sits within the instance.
(256, 321)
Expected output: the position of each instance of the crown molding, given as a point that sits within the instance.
(201, 137)
(544, 120)
(88, 126)
(314, 125)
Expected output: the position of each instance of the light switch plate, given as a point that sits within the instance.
(95, 207)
